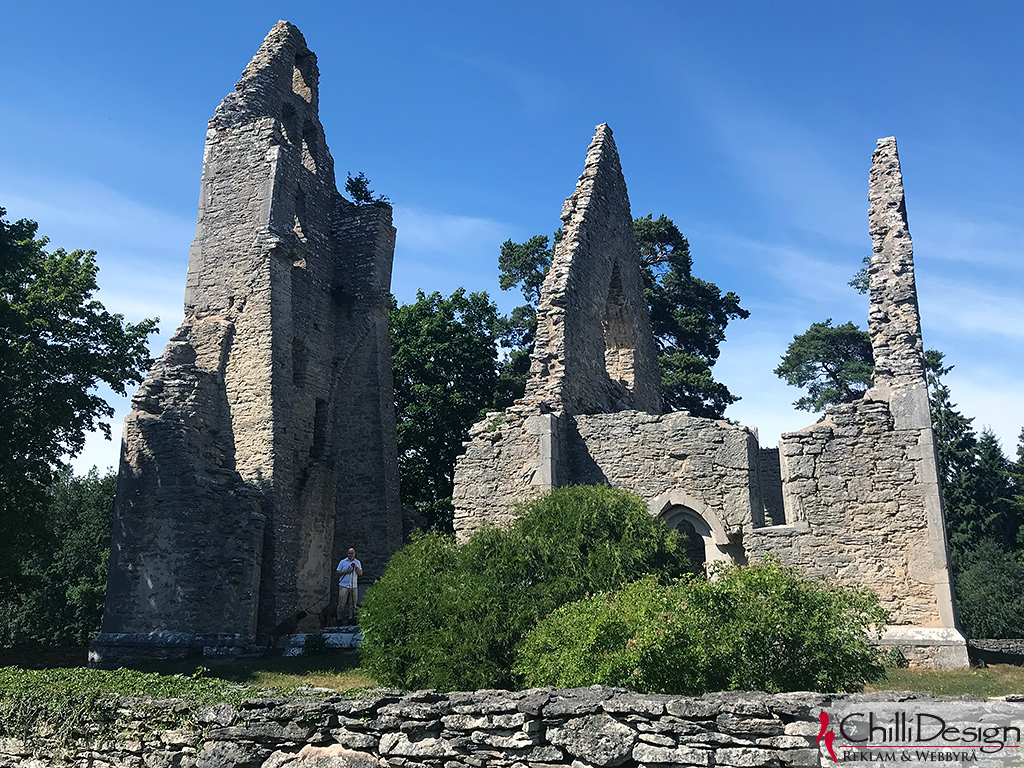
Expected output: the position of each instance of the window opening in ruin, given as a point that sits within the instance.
(302, 81)
(300, 215)
(309, 147)
(618, 339)
(289, 123)
(319, 430)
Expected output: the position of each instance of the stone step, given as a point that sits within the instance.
(339, 638)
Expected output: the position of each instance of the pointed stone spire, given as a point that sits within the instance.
(594, 350)
(893, 320)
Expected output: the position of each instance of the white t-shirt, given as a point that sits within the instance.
(350, 579)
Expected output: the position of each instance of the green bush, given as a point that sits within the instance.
(450, 616)
(759, 627)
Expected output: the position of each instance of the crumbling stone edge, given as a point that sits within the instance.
(593, 727)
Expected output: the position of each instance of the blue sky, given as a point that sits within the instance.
(751, 124)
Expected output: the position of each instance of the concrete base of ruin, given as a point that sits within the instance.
(930, 647)
(111, 650)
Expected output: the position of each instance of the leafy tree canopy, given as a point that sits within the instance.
(445, 370)
(688, 316)
(64, 574)
(834, 363)
(57, 344)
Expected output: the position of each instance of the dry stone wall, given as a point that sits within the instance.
(261, 445)
(585, 728)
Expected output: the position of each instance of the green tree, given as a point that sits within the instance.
(990, 595)
(445, 371)
(524, 265)
(358, 188)
(64, 575)
(1017, 486)
(57, 343)
(688, 315)
(833, 363)
(956, 448)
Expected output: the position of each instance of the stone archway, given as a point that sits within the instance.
(706, 535)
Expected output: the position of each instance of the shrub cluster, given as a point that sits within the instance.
(759, 627)
(450, 616)
(587, 588)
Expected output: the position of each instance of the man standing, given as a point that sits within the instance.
(348, 587)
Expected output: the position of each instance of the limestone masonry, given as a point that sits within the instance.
(854, 497)
(261, 445)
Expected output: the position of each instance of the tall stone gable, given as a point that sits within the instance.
(262, 443)
(594, 352)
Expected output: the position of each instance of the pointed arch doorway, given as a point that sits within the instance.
(706, 540)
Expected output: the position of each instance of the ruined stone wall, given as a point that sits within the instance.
(485, 729)
(711, 462)
(510, 458)
(854, 511)
(261, 445)
(594, 353)
(860, 488)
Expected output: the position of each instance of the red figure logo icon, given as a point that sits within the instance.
(829, 737)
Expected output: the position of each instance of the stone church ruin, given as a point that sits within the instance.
(854, 497)
(262, 443)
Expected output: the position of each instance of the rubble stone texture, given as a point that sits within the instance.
(540, 728)
(261, 445)
(854, 498)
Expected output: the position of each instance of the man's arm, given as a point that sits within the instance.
(359, 568)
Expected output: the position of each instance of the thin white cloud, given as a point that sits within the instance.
(993, 398)
(79, 213)
(982, 242)
(442, 251)
(421, 231)
(534, 90)
(959, 307)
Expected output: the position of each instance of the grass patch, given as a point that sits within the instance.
(66, 703)
(993, 680)
(337, 671)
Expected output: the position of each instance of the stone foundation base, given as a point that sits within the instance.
(336, 638)
(110, 650)
(928, 647)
